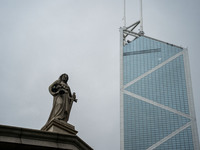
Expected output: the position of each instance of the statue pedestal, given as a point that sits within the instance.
(60, 126)
(13, 138)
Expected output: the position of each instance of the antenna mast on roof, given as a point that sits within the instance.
(124, 13)
(141, 19)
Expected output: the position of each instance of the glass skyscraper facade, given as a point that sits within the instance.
(157, 110)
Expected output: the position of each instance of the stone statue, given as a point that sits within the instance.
(63, 99)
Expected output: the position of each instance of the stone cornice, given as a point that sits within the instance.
(17, 135)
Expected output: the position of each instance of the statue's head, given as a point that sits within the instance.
(64, 77)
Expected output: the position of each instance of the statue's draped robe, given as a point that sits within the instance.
(62, 101)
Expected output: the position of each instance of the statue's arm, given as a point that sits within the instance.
(69, 90)
(52, 88)
(72, 96)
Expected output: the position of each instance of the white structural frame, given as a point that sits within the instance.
(121, 90)
(128, 31)
(191, 100)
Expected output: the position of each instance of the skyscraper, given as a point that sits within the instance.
(157, 107)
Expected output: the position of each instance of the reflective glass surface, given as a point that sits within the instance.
(164, 88)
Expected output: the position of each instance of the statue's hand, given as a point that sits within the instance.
(74, 97)
(60, 89)
(58, 86)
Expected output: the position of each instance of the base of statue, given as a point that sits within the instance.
(60, 126)
(14, 138)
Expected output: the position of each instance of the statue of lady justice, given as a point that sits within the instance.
(63, 99)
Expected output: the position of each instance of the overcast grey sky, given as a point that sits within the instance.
(41, 39)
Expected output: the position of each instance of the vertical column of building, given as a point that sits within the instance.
(191, 100)
(121, 91)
